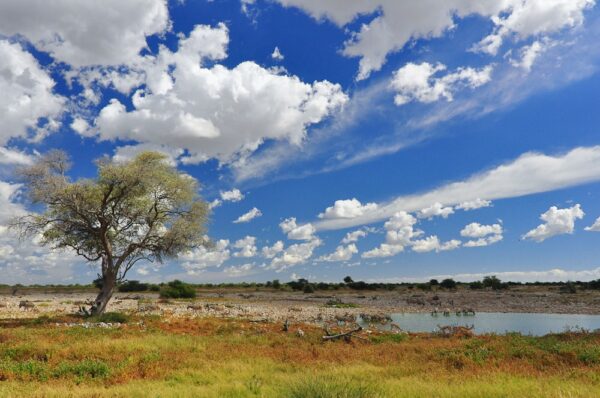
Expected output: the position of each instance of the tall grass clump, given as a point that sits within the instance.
(331, 388)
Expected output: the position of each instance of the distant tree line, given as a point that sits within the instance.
(489, 282)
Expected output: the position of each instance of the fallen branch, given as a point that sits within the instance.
(346, 335)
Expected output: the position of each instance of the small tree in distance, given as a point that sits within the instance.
(348, 280)
(143, 209)
(448, 283)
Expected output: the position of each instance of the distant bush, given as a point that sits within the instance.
(177, 289)
(448, 283)
(98, 282)
(594, 284)
(424, 286)
(308, 288)
(495, 283)
(568, 287)
(434, 282)
(476, 285)
(133, 286)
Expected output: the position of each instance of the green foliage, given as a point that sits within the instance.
(448, 283)
(348, 279)
(98, 282)
(434, 282)
(495, 283)
(85, 369)
(595, 284)
(389, 337)
(590, 355)
(177, 289)
(133, 286)
(476, 285)
(339, 304)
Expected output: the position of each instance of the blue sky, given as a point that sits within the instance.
(388, 140)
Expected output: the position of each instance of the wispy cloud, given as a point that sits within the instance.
(529, 174)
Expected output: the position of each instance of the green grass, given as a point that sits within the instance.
(341, 305)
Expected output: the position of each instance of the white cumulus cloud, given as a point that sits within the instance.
(395, 24)
(348, 208)
(295, 231)
(84, 33)
(197, 260)
(476, 230)
(435, 210)
(272, 251)
(246, 246)
(216, 112)
(432, 243)
(28, 106)
(418, 82)
(556, 222)
(341, 253)
(354, 236)
(294, 255)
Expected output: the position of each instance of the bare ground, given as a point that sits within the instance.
(277, 306)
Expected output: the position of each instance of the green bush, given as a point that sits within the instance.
(476, 285)
(133, 286)
(308, 288)
(177, 289)
(448, 283)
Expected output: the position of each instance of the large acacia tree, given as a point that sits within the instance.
(143, 209)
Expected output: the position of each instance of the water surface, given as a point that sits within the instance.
(498, 322)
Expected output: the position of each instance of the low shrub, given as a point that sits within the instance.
(133, 286)
(177, 289)
(112, 317)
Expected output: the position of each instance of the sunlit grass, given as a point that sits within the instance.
(227, 358)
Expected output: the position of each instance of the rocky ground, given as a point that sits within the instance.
(309, 308)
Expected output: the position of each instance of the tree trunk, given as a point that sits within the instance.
(108, 288)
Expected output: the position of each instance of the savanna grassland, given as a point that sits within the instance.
(152, 356)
